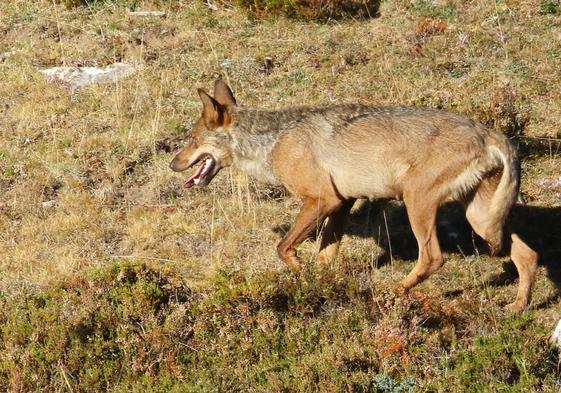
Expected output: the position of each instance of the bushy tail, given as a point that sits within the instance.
(506, 193)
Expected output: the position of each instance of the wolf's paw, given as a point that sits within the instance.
(516, 307)
(294, 265)
(400, 289)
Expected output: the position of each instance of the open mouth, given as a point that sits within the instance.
(202, 173)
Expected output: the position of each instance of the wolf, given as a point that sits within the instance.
(331, 156)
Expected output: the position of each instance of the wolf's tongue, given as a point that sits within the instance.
(191, 181)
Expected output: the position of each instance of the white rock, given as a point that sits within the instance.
(158, 14)
(83, 76)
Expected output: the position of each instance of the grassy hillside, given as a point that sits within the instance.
(112, 276)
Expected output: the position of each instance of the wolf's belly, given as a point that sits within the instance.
(370, 183)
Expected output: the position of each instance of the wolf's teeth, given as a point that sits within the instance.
(196, 181)
(208, 162)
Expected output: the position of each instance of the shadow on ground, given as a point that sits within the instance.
(540, 227)
(388, 225)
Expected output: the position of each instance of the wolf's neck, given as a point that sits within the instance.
(253, 136)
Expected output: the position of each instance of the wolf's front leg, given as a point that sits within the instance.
(333, 232)
(312, 214)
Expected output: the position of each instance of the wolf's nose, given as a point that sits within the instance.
(172, 166)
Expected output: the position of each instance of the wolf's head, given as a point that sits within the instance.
(208, 142)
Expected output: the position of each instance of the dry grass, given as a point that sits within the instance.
(99, 156)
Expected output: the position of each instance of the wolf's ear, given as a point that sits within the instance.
(223, 94)
(214, 114)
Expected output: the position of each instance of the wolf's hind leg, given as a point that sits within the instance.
(333, 232)
(311, 216)
(479, 215)
(526, 261)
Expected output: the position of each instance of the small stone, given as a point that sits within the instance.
(49, 204)
(157, 14)
(224, 63)
(5, 55)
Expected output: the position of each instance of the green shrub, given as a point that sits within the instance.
(427, 8)
(120, 323)
(515, 358)
(313, 9)
(94, 3)
(132, 327)
(550, 7)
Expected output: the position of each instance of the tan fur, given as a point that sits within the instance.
(333, 155)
